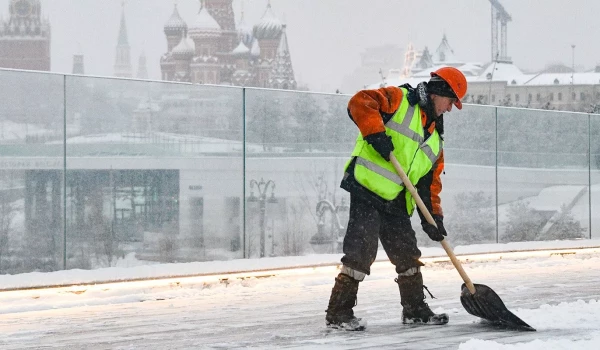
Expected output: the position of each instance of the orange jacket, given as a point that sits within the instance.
(370, 109)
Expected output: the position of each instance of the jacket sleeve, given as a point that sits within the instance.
(370, 109)
(430, 187)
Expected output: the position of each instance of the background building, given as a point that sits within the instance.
(215, 50)
(500, 82)
(25, 37)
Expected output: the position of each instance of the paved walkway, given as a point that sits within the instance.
(288, 311)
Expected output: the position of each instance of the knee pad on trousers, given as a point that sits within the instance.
(410, 272)
(357, 275)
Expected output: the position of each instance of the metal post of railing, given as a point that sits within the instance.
(244, 172)
(64, 172)
(590, 173)
(497, 220)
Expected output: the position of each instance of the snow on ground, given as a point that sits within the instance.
(557, 292)
(132, 269)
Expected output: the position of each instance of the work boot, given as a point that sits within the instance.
(342, 300)
(414, 307)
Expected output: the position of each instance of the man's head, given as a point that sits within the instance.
(447, 86)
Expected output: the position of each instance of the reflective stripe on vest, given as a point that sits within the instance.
(392, 176)
(405, 130)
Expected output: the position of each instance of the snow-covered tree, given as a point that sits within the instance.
(524, 223)
(472, 220)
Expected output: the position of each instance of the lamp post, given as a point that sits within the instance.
(573, 64)
(329, 243)
(262, 187)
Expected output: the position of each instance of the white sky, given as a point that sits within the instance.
(286, 309)
(326, 37)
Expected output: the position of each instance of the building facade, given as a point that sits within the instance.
(25, 37)
(502, 83)
(215, 50)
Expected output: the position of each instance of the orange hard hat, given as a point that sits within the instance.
(457, 81)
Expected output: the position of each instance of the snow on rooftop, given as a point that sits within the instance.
(588, 78)
(241, 49)
(204, 21)
(269, 26)
(500, 71)
(175, 22)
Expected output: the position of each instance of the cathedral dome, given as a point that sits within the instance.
(241, 50)
(255, 49)
(245, 32)
(269, 26)
(185, 48)
(175, 25)
(204, 24)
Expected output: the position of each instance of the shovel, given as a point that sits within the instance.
(479, 300)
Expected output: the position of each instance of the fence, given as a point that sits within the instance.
(96, 172)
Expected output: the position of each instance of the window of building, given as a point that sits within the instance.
(552, 96)
(582, 96)
(516, 97)
(573, 96)
(530, 98)
(560, 96)
(538, 97)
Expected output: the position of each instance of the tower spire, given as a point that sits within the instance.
(123, 61)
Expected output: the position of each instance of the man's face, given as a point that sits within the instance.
(442, 104)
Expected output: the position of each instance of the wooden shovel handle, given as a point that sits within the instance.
(429, 218)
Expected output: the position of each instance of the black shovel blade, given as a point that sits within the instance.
(486, 304)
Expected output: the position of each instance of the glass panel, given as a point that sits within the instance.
(31, 172)
(154, 172)
(469, 179)
(595, 175)
(542, 175)
(297, 146)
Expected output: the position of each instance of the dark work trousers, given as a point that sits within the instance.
(366, 225)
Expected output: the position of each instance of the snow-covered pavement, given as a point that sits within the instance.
(558, 294)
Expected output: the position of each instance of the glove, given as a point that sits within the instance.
(435, 233)
(381, 143)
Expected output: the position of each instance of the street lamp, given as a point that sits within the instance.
(573, 64)
(323, 242)
(262, 187)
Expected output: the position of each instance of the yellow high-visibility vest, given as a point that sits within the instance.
(415, 154)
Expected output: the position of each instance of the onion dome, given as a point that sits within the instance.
(269, 26)
(175, 25)
(255, 49)
(244, 32)
(204, 24)
(241, 50)
(185, 49)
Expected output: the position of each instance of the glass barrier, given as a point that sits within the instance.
(31, 172)
(543, 175)
(160, 172)
(469, 179)
(594, 141)
(296, 147)
(155, 172)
